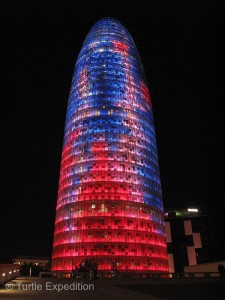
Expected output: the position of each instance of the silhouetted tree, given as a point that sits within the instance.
(87, 265)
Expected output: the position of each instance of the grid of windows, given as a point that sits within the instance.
(109, 205)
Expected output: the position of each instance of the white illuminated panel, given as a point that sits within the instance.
(171, 263)
(191, 256)
(168, 232)
(187, 227)
(197, 240)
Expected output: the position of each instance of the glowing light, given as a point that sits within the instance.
(192, 209)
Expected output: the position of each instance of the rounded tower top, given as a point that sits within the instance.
(106, 38)
(110, 27)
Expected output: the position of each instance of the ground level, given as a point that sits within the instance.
(25, 288)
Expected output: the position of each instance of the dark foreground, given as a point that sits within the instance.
(25, 288)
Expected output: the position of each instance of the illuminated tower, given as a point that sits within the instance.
(109, 206)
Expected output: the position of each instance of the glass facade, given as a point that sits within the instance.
(109, 206)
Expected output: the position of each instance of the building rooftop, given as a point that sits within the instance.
(183, 212)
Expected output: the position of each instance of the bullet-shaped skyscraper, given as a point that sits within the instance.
(109, 206)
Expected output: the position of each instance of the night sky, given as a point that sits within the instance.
(180, 46)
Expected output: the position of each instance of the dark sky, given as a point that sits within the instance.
(180, 46)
